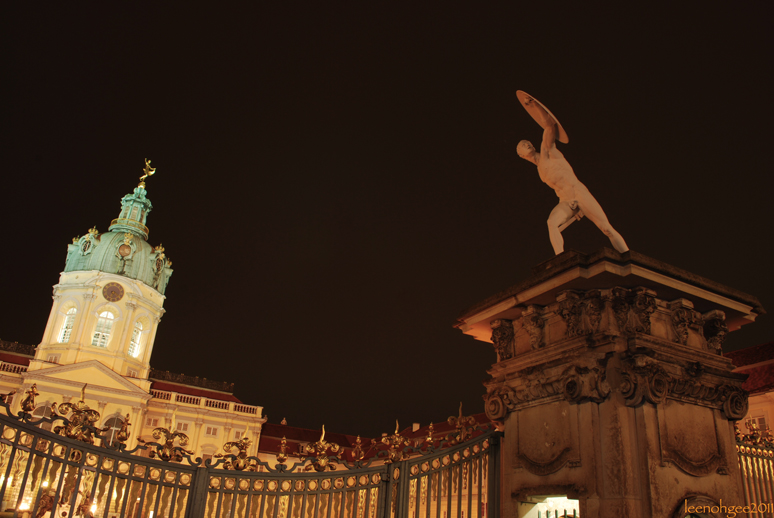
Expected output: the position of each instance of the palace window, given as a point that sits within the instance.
(102, 332)
(131, 373)
(52, 358)
(237, 434)
(182, 427)
(42, 411)
(67, 326)
(211, 431)
(113, 426)
(152, 421)
(134, 344)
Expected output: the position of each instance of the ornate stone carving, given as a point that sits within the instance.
(534, 324)
(570, 310)
(715, 330)
(632, 309)
(585, 382)
(649, 382)
(644, 379)
(683, 319)
(581, 313)
(503, 338)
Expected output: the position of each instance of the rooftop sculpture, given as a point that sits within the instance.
(575, 200)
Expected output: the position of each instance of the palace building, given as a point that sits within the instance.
(99, 340)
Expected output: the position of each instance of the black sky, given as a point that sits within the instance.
(336, 185)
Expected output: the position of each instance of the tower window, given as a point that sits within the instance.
(102, 332)
(134, 344)
(67, 326)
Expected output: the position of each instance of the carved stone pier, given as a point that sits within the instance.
(611, 387)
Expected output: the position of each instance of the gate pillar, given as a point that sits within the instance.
(611, 387)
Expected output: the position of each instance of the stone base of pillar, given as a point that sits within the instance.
(611, 386)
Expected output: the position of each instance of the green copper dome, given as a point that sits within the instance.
(123, 250)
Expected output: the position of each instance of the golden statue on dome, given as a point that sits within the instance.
(148, 170)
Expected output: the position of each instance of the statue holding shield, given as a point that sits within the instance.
(575, 200)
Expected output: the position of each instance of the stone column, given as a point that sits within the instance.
(608, 388)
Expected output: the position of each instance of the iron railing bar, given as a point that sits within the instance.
(173, 497)
(143, 492)
(460, 477)
(277, 501)
(78, 477)
(219, 501)
(14, 448)
(127, 491)
(304, 496)
(112, 483)
(43, 475)
(470, 487)
(159, 494)
(30, 458)
(62, 469)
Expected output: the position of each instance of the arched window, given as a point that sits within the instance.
(102, 332)
(113, 426)
(134, 344)
(42, 411)
(67, 326)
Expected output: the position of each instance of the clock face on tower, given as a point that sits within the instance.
(113, 292)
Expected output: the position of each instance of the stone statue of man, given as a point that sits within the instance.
(575, 200)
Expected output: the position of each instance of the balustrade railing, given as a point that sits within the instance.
(12, 368)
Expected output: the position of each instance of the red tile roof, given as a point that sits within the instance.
(194, 391)
(17, 359)
(752, 355)
(761, 379)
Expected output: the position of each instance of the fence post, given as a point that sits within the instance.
(198, 493)
(493, 498)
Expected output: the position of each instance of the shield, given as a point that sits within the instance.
(533, 107)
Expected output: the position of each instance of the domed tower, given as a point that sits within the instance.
(110, 297)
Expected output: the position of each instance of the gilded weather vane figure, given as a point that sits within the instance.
(575, 200)
(148, 170)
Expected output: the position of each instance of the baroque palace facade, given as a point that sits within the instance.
(99, 339)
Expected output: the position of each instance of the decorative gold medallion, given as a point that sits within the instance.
(113, 292)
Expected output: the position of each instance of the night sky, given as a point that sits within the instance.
(335, 186)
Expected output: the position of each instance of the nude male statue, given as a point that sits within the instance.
(575, 200)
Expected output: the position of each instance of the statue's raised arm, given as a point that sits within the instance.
(575, 200)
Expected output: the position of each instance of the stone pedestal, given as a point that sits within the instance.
(610, 385)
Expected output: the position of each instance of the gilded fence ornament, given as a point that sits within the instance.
(757, 436)
(396, 443)
(464, 427)
(238, 462)
(282, 456)
(168, 451)
(80, 425)
(123, 433)
(322, 450)
(357, 451)
(28, 403)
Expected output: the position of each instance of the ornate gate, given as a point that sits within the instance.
(45, 474)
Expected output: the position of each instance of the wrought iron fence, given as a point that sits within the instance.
(45, 474)
(756, 464)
